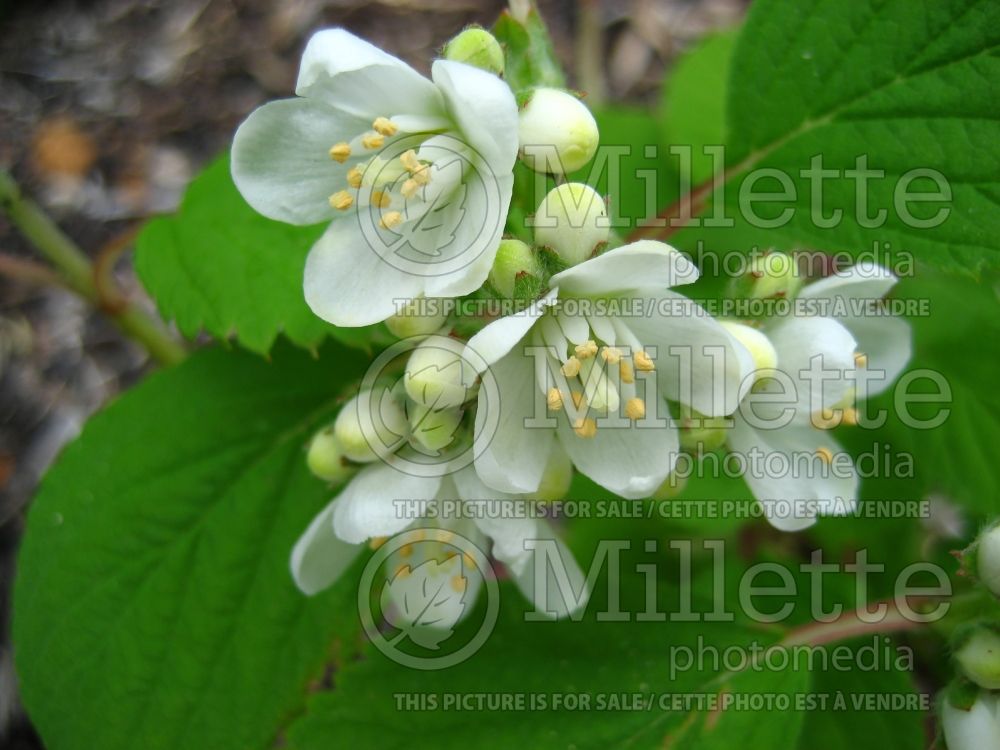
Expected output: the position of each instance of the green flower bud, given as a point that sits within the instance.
(773, 275)
(977, 653)
(436, 374)
(434, 430)
(476, 46)
(759, 346)
(700, 434)
(370, 425)
(987, 561)
(556, 131)
(572, 220)
(556, 478)
(513, 259)
(325, 458)
(415, 319)
(672, 486)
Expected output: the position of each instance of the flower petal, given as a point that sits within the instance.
(629, 461)
(281, 162)
(865, 280)
(793, 490)
(485, 110)
(319, 556)
(550, 597)
(799, 341)
(643, 265)
(886, 344)
(513, 457)
(708, 370)
(357, 77)
(367, 506)
(346, 283)
(499, 337)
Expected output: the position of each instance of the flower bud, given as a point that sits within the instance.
(419, 317)
(436, 374)
(987, 563)
(556, 478)
(434, 430)
(759, 346)
(975, 728)
(572, 220)
(977, 653)
(701, 434)
(773, 275)
(370, 425)
(556, 131)
(476, 46)
(325, 458)
(513, 259)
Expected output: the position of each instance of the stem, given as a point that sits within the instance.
(75, 269)
(693, 201)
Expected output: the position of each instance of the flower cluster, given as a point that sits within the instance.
(603, 367)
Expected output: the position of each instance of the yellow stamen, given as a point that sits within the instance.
(410, 161)
(372, 140)
(635, 408)
(850, 417)
(340, 152)
(410, 188)
(384, 126)
(341, 200)
(825, 419)
(643, 362)
(860, 360)
(468, 559)
(585, 428)
(587, 349)
(422, 176)
(625, 372)
(611, 355)
(578, 400)
(458, 583)
(571, 367)
(402, 571)
(554, 399)
(825, 454)
(354, 177)
(445, 536)
(381, 199)
(377, 541)
(406, 550)
(391, 219)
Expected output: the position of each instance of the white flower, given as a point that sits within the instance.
(374, 146)
(374, 505)
(593, 328)
(975, 729)
(801, 471)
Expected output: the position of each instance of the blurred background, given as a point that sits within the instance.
(109, 108)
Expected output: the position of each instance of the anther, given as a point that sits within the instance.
(410, 161)
(850, 417)
(554, 399)
(354, 177)
(635, 408)
(403, 571)
(860, 360)
(825, 454)
(381, 199)
(611, 355)
(585, 428)
(391, 219)
(587, 349)
(341, 200)
(625, 372)
(377, 541)
(458, 583)
(643, 362)
(406, 550)
(340, 152)
(372, 140)
(384, 126)
(571, 367)
(578, 400)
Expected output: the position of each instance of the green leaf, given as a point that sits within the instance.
(693, 104)
(154, 604)
(530, 58)
(907, 86)
(220, 266)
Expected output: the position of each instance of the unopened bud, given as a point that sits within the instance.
(977, 652)
(476, 46)
(572, 220)
(975, 728)
(556, 478)
(325, 458)
(513, 259)
(434, 430)
(759, 346)
(774, 275)
(557, 132)
(701, 434)
(987, 564)
(419, 317)
(436, 374)
(370, 425)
